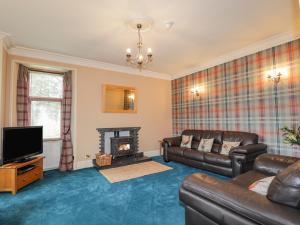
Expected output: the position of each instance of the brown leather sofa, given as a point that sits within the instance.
(211, 201)
(240, 158)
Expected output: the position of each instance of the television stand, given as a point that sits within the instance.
(25, 160)
(14, 176)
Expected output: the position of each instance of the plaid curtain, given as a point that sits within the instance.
(66, 157)
(126, 100)
(23, 96)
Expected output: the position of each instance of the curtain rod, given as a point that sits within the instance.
(45, 71)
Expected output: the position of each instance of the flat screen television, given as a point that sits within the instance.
(21, 143)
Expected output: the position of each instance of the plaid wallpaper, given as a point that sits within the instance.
(238, 96)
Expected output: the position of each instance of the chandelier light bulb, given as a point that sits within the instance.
(149, 51)
(140, 58)
(128, 51)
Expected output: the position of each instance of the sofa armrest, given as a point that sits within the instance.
(169, 142)
(173, 141)
(271, 164)
(249, 149)
(209, 196)
(242, 157)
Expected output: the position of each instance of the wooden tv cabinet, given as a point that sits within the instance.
(13, 177)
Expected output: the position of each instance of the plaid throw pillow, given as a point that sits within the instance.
(227, 146)
(186, 141)
(206, 145)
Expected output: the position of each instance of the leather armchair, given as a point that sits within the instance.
(211, 201)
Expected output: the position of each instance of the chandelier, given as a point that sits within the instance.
(140, 59)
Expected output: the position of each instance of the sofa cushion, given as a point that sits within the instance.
(261, 186)
(193, 154)
(227, 146)
(216, 148)
(196, 137)
(217, 136)
(217, 159)
(176, 150)
(244, 138)
(246, 179)
(186, 141)
(207, 134)
(285, 188)
(195, 144)
(206, 144)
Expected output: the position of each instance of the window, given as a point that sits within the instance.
(45, 96)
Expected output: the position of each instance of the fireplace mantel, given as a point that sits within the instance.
(113, 129)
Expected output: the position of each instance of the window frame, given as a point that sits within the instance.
(45, 99)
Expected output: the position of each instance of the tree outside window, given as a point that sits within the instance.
(45, 96)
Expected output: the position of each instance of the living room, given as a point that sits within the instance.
(136, 112)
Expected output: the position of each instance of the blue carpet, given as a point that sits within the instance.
(85, 197)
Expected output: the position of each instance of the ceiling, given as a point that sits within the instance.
(95, 29)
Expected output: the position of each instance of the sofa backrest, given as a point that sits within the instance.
(244, 137)
(271, 164)
(198, 134)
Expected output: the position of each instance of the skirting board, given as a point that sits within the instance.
(151, 153)
(50, 168)
(89, 163)
(83, 164)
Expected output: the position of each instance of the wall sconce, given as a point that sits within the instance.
(276, 74)
(275, 78)
(131, 97)
(197, 90)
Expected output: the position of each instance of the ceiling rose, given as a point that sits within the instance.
(146, 23)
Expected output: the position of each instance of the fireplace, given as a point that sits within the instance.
(122, 146)
(124, 149)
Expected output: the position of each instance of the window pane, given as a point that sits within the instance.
(48, 115)
(46, 85)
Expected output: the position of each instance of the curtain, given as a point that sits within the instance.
(126, 100)
(66, 157)
(23, 96)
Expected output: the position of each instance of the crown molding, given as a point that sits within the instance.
(5, 37)
(7, 43)
(250, 49)
(56, 57)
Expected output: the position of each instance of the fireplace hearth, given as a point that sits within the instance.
(124, 149)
